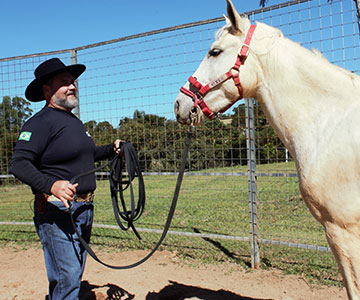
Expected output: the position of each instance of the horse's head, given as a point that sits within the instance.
(219, 81)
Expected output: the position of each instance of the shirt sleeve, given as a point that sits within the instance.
(103, 152)
(24, 163)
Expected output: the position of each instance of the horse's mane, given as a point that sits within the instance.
(352, 75)
(221, 31)
(307, 61)
(315, 58)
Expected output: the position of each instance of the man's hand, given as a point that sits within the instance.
(64, 190)
(117, 146)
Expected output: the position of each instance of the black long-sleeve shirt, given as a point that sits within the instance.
(54, 145)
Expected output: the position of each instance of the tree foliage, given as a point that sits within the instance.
(13, 113)
(217, 143)
(159, 142)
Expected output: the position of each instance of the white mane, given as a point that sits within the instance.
(308, 67)
(352, 75)
(221, 31)
(273, 35)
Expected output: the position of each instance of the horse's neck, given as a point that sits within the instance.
(302, 96)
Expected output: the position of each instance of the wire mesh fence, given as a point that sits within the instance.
(128, 91)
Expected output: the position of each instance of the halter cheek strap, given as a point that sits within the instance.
(201, 90)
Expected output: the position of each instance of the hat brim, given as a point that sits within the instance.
(34, 92)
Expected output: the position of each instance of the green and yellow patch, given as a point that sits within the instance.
(25, 136)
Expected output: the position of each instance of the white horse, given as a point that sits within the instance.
(313, 105)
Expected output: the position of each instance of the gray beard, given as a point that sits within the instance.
(68, 104)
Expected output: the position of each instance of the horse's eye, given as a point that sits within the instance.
(215, 52)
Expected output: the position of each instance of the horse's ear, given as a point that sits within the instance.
(228, 23)
(238, 23)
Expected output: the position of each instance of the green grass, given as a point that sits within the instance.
(207, 204)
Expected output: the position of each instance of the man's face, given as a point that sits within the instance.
(62, 90)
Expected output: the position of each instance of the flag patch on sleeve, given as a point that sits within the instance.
(25, 136)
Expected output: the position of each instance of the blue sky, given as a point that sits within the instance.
(110, 89)
(40, 26)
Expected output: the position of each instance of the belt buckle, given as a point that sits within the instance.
(88, 197)
(91, 197)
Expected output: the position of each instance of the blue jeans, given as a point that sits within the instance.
(64, 255)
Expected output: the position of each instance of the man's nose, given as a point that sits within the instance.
(72, 86)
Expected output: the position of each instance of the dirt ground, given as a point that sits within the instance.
(163, 277)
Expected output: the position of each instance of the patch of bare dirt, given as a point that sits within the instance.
(163, 277)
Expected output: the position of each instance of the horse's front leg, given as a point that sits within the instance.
(344, 241)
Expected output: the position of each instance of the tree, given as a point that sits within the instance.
(216, 143)
(269, 148)
(102, 133)
(91, 127)
(147, 133)
(13, 114)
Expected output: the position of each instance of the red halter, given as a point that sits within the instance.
(202, 90)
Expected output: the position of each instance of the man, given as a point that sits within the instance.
(52, 148)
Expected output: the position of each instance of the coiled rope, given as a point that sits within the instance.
(117, 187)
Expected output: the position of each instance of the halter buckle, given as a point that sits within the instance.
(217, 115)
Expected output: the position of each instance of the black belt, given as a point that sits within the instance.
(88, 197)
(116, 182)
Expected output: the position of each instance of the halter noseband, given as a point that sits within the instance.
(200, 90)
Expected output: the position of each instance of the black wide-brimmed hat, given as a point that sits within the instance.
(45, 71)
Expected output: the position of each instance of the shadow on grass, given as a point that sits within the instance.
(224, 250)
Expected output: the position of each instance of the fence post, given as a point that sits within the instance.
(73, 54)
(251, 159)
(357, 3)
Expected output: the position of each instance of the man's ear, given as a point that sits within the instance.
(46, 91)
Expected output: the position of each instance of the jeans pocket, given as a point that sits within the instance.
(56, 205)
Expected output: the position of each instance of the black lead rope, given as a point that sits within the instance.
(118, 185)
(117, 182)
